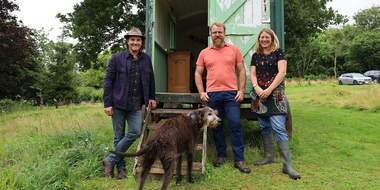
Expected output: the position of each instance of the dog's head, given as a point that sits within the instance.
(208, 117)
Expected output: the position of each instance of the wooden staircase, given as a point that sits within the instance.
(150, 123)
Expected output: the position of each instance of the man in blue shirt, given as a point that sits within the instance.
(128, 85)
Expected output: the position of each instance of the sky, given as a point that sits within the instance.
(37, 14)
(41, 13)
(351, 7)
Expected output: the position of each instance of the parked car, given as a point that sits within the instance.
(353, 78)
(374, 74)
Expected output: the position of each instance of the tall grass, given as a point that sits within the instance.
(302, 82)
(357, 97)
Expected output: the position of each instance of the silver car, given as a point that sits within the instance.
(353, 78)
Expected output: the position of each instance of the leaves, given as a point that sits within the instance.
(304, 20)
(99, 24)
(365, 52)
(368, 18)
(17, 48)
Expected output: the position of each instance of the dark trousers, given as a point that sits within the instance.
(225, 103)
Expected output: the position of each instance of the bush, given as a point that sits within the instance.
(97, 95)
(85, 93)
(90, 94)
(313, 77)
(8, 105)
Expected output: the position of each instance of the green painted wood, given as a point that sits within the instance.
(277, 24)
(157, 55)
(178, 97)
(225, 16)
(160, 68)
(243, 34)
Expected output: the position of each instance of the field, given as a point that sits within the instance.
(335, 145)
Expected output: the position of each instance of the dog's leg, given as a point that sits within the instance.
(168, 165)
(179, 166)
(190, 158)
(145, 171)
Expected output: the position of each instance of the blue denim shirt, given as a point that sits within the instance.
(116, 81)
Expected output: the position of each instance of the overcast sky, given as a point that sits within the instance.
(41, 13)
(351, 7)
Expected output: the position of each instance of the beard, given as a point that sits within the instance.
(218, 42)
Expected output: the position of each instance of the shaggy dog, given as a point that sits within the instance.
(174, 137)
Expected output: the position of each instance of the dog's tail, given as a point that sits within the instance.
(138, 153)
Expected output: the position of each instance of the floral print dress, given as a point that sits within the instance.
(266, 71)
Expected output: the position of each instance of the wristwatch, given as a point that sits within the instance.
(254, 85)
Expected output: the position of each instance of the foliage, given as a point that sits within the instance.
(97, 96)
(368, 18)
(304, 19)
(365, 52)
(95, 75)
(98, 24)
(85, 93)
(18, 69)
(90, 94)
(11, 106)
(310, 58)
(336, 38)
(59, 86)
(318, 77)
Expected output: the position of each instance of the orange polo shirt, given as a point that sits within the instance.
(221, 67)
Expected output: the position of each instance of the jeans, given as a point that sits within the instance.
(277, 122)
(122, 142)
(225, 103)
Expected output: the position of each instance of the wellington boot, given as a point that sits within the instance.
(283, 147)
(269, 151)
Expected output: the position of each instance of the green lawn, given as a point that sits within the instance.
(333, 147)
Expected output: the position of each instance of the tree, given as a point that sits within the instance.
(59, 86)
(336, 38)
(304, 19)
(368, 18)
(365, 52)
(94, 76)
(19, 69)
(99, 24)
(311, 54)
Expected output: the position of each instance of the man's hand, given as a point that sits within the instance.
(204, 97)
(239, 96)
(109, 110)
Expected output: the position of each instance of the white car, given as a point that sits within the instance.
(353, 78)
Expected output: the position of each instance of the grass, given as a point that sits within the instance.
(335, 145)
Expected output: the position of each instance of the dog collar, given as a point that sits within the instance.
(193, 117)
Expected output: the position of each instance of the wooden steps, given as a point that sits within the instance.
(151, 123)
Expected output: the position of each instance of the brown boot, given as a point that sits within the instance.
(121, 174)
(109, 168)
(219, 162)
(242, 167)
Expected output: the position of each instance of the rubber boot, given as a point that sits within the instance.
(269, 151)
(283, 147)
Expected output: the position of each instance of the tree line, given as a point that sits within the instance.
(317, 42)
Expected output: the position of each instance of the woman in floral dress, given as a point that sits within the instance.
(268, 69)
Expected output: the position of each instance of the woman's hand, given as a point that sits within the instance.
(264, 93)
(258, 90)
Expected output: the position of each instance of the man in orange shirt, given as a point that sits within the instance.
(221, 60)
